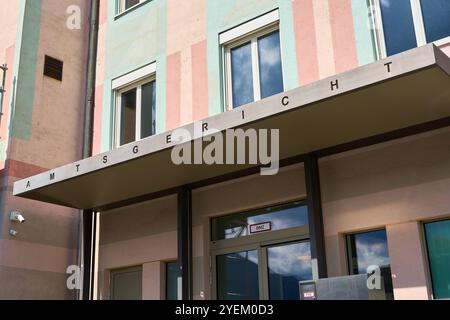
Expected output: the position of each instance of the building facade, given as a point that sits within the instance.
(359, 92)
(34, 255)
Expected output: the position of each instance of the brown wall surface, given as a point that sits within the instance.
(33, 264)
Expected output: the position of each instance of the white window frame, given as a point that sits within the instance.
(118, 108)
(419, 28)
(228, 46)
(120, 5)
(246, 32)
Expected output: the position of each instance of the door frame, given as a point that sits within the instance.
(258, 242)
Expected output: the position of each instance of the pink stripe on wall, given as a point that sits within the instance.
(103, 17)
(98, 109)
(173, 91)
(344, 44)
(9, 57)
(446, 49)
(308, 66)
(199, 81)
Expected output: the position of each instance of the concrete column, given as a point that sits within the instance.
(408, 261)
(153, 281)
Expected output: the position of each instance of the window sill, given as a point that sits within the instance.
(136, 6)
(442, 42)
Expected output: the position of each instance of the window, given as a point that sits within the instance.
(252, 61)
(438, 245)
(406, 24)
(370, 249)
(126, 284)
(124, 5)
(436, 19)
(136, 112)
(172, 281)
(269, 219)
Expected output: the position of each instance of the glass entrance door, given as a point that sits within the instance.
(266, 272)
(261, 254)
(237, 276)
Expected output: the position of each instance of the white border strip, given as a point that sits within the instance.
(249, 27)
(134, 76)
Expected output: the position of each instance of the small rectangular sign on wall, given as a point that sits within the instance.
(261, 227)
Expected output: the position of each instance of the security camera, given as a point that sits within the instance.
(17, 217)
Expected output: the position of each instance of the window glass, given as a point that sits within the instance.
(237, 276)
(288, 265)
(271, 74)
(172, 281)
(436, 18)
(242, 75)
(126, 284)
(398, 25)
(130, 3)
(370, 249)
(128, 117)
(148, 110)
(438, 244)
(274, 218)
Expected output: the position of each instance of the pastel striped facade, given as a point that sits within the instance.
(319, 38)
(9, 22)
(40, 129)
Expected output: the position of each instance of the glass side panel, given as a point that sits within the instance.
(436, 18)
(438, 244)
(371, 249)
(288, 264)
(270, 70)
(398, 26)
(128, 117)
(148, 109)
(242, 75)
(270, 219)
(171, 281)
(237, 276)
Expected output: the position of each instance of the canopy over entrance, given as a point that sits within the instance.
(402, 91)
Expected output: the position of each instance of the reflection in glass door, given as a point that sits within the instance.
(266, 272)
(237, 276)
(287, 265)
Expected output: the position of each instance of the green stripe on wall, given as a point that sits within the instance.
(134, 40)
(24, 88)
(365, 45)
(288, 50)
(223, 15)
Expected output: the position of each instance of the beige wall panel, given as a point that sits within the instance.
(408, 262)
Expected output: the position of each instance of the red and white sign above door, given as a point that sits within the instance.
(261, 227)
